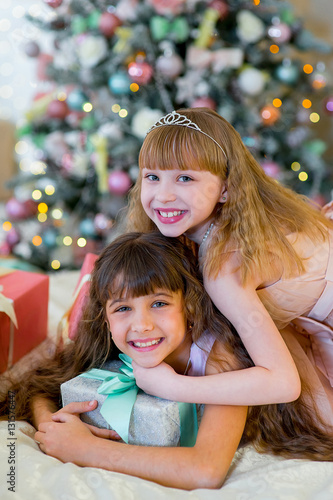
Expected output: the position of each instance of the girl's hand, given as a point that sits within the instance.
(68, 439)
(76, 408)
(158, 381)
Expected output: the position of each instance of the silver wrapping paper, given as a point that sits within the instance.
(154, 421)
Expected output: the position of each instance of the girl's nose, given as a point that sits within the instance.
(165, 193)
(142, 323)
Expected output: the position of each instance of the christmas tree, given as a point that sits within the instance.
(107, 70)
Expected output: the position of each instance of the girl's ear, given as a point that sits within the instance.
(224, 194)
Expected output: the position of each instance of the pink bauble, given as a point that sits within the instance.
(17, 210)
(168, 7)
(119, 182)
(280, 33)
(221, 7)
(53, 3)
(13, 237)
(57, 109)
(272, 169)
(102, 224)
(204, 102)
(108, 24)
(170, 66)
(140, 72)
(328, 105)
(5, 249)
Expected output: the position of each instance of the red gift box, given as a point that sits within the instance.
(28, 293)
(70, 321)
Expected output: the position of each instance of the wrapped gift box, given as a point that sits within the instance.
(28, 295)
(70, 321)
(153, 421)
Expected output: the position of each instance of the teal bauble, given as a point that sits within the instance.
(50, 237)
(76, 99)
(287, 72)
(119, 83)
(87, 228)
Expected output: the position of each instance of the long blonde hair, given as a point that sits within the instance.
(259, 212)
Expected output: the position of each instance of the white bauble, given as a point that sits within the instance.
(250, 29)
(144, 119)
(251, 81)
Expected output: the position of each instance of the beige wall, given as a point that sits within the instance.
(318, 18)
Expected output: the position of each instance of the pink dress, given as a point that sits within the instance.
(302, 309)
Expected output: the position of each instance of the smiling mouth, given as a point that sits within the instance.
(146, 344)
(174, 213)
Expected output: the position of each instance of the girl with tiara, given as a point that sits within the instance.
(265, 252)
(146, 300)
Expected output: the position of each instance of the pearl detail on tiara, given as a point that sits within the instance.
(175, 118)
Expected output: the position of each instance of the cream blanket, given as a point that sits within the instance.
(36, 476)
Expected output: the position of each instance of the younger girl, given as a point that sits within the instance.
(144, 289)
(265, 253)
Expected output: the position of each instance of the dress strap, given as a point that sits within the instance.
(199, 354)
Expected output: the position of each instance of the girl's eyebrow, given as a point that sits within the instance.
(115, 301)
(123, 299)
(164, 294)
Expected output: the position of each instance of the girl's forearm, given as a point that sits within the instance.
(42, 410)
(184, 468)
(250, 386)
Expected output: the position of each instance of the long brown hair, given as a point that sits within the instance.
(138, 264)
(259, 212)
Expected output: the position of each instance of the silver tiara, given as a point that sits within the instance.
(175, 118)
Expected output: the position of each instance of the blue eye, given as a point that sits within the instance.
(159, 304)
(185, 178)
(123, 308)
(152, 177)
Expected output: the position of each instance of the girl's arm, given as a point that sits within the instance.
(42, 410)
(203, 466)
(274, 379)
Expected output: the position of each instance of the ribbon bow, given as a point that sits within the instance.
(219, 59)
(6, 306)
(122, 391)
(177, 29)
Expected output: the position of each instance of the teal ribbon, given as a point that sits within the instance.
(122, 391)
(161, 28)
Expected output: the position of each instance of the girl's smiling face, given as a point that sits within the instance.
(151, 328)
(181, 201)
